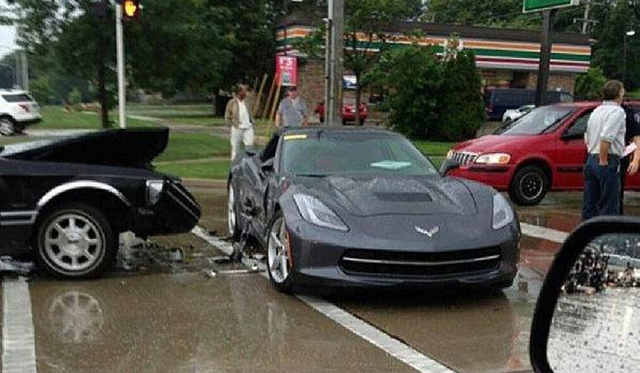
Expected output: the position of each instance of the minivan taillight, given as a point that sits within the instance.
(24, 107)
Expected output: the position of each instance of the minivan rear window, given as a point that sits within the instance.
(17, 98)
(538, 121)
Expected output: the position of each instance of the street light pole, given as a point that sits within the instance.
(120, 57)
(628, 34)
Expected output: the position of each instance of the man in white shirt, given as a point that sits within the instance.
(239, 116)
(605, 138)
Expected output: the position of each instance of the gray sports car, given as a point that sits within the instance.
(363, 207)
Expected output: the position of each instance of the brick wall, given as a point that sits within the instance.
(311, 82)
(565, 82)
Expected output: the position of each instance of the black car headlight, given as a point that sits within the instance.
(317, 213)
(154, 191)
(503, 214)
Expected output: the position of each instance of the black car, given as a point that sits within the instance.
(67, 200)
(363, 207)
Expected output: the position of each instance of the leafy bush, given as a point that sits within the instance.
(75, 97)
(432, 98)
(413, 76)
(589, 86)
(461, 106)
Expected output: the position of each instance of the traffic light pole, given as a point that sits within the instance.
(121, 83)
(545, 57)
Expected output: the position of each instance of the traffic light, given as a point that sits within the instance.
(130, 9)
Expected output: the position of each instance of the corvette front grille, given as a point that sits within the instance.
(420, 264)
(464, 158)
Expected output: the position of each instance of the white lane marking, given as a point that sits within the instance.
(18, 338)
(361, 328)
(544, 233)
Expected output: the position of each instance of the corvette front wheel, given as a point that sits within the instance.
(279, 255)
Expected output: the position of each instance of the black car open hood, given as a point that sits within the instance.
(397, 195)
(125, 148)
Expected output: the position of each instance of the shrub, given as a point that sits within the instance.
(589, 86)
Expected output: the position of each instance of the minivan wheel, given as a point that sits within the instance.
(75, 241)
(529, 186)
(7, 126)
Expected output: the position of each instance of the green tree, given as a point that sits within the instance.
(371, 19)
(589, 86)
(461, 106)
(413, 76)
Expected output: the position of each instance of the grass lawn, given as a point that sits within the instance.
(209, 170)
(54, 117)
(185, 146)
(432, 148)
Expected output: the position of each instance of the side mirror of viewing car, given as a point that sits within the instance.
(448, 165)
(587, 318)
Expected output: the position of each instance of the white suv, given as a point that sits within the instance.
(17, 110)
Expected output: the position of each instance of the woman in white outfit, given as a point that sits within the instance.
(239, 116)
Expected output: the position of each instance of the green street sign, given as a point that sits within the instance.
(539, 5)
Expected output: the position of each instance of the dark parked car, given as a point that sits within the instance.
(498, 101)
(363, 207)
(67, 200)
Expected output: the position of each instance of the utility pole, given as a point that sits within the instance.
(25, 71)
(120, 57)
(545, 56)
(336, 18)
(585, 21)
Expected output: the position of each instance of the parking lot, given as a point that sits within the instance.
(156, 312)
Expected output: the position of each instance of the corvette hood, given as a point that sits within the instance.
(125, 148)
(371, 196)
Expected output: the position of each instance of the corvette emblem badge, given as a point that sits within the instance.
(431, 232)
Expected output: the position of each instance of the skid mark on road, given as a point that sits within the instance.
(18, 339)
(361, 328)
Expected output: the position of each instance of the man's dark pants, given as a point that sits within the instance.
(602, 188)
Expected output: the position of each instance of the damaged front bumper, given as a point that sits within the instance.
(176, 211)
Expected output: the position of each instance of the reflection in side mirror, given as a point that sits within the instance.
(596, 322)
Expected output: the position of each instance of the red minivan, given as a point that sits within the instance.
(543, 151)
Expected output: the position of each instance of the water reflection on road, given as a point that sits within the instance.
(596, 333)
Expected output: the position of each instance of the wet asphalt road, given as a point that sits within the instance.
(155, 315)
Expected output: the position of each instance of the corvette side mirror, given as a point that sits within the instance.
(587, 318)
(267, 166)
(448, 165)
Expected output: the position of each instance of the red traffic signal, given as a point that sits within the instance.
(130, 9)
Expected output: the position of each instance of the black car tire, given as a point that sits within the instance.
(282, 285)
(529, 186)
(90, 233)
(7, 126)
(234, 232)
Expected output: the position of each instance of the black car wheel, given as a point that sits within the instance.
(75, 241)
(278, 255)
(529, 186)
(7, 126)
(232, 213)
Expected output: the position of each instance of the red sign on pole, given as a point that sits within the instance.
(287, 70)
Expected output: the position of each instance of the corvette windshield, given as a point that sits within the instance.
(537, 121)
(357, 153)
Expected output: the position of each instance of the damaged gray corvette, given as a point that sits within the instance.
(337, 207)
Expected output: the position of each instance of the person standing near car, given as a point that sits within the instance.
(605, 138)
(238, 115)
(292, 111)
(631, 162)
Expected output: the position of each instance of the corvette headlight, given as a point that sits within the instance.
(494, 158)
(154, 191)
(316, 212)
(502, 212)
